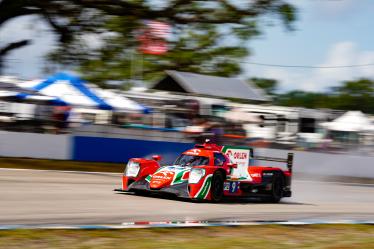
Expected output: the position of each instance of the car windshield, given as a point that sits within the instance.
(189, 161)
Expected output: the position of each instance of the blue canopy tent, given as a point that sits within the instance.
(69, 89)
(14, 93)
(75, 92)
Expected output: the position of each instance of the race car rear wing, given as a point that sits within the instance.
(288, 160)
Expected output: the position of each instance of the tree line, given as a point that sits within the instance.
(349, 95)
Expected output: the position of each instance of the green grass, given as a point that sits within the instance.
(28, 163)
(312, 236)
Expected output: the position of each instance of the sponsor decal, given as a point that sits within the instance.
(267, 173)
(226, 186)
(180, 177)
(232, 187)
(164, 174)
(237, 155)
(204, 190)
(193, 152)
(148, 178)
(256, 175)
(240, 156)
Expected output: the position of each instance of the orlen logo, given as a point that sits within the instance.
(164, 172)
(236, 155)
(229, 153)
(240, 155)
(160, 177)
(194, 152)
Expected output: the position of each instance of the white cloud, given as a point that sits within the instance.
(320, 79)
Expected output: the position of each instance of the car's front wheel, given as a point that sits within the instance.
(217, 186)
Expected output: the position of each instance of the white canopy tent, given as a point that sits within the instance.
(351, 121)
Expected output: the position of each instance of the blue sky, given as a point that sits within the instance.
(327, 33)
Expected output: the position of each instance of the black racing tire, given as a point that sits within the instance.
(217, 186)
(277, 189)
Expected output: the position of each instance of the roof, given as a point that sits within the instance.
(313, 113)
(210, 86)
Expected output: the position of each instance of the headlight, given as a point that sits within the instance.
(195, 175)
(132, 169)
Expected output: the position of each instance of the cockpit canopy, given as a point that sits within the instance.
(191, 160)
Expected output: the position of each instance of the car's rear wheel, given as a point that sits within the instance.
(277, 189)
(217, 186)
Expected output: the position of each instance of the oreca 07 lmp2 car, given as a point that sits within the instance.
(210, 172)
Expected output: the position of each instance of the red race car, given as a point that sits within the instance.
(210, 172)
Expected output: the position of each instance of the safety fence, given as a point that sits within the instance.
(90, 147)
(85, 147)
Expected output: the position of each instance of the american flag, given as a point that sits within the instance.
(158, 29)
(153, 38)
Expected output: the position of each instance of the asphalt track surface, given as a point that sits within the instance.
(36, 197)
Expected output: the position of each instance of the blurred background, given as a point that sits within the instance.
(100, 80)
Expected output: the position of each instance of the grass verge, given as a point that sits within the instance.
(269, 236)
(28, 163)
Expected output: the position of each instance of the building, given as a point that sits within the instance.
(210, 86)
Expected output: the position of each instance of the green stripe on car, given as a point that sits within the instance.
(204, 190)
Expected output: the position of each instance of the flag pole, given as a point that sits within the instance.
(141, 58)
(132, 65)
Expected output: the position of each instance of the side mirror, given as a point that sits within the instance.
(232, 165)
(156, 158)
